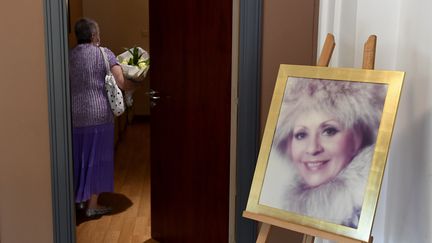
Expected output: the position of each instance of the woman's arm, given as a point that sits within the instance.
(122, 82)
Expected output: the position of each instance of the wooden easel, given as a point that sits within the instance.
(323, 61)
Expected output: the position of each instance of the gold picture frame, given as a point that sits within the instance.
(270, 189)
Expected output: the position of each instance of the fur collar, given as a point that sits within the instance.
(339, 200)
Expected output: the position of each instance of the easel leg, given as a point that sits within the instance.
(369, 63)
(369, 53)
(324, 60)
(327, 51)
(308, 239)
(263, 233)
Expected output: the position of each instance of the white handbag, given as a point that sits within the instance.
(115, 96)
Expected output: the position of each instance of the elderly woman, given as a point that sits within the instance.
(325, 137)
(92, 118)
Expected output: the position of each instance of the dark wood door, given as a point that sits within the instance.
(190, 48)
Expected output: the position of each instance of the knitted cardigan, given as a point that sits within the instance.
(87, 72)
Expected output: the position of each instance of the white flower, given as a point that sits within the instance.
(142, 65)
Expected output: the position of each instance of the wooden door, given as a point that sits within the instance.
(190, 48)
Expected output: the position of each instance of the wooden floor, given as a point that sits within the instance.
(130, 221)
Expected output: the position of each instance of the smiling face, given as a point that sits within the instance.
(321, 146)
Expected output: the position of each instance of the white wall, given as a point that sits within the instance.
(403, 28)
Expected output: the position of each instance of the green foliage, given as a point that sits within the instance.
(136, 60)
(135, 56)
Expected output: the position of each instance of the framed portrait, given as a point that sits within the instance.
(324, 150)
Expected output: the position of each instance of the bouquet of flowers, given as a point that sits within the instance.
(135, 64)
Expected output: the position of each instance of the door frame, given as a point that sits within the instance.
(249, 79)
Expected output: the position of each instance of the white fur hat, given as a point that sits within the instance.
(357, 105)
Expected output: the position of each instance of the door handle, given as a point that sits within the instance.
(154, 96)
(152, 92)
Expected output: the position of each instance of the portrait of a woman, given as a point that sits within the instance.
(322, 148)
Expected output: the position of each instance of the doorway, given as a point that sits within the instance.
(130, 200)
(57, 69)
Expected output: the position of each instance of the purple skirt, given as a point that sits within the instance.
(93, 159)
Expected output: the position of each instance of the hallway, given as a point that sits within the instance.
(130, 220)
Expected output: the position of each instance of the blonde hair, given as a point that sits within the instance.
(356, 105)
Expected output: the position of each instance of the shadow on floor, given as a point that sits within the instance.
(117, 201)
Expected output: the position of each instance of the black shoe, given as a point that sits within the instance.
(94, 212)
